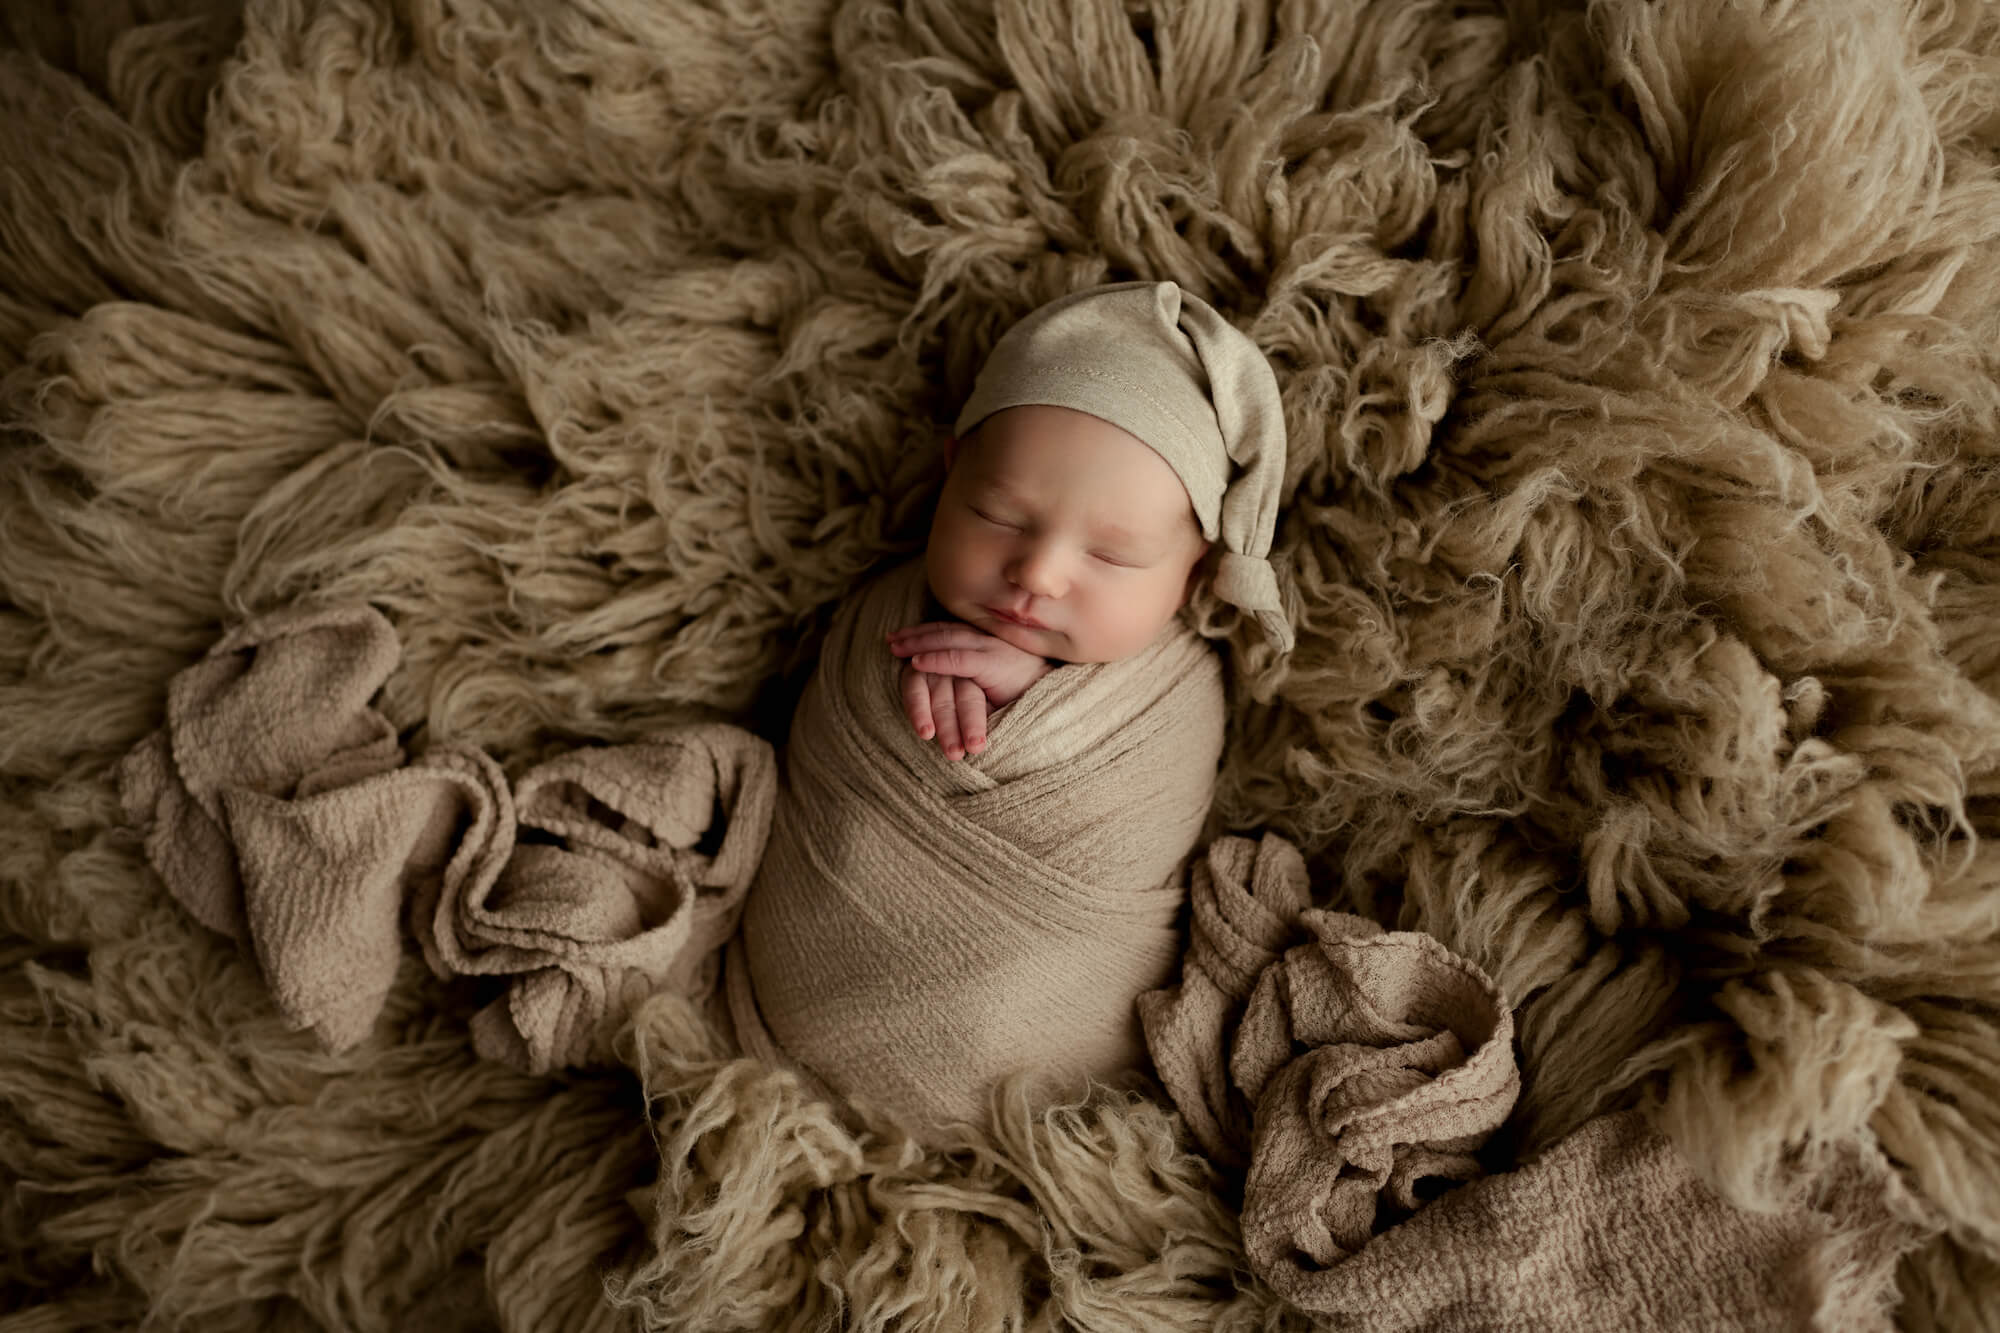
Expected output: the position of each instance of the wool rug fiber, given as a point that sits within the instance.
(1642, 536)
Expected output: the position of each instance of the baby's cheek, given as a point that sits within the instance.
(944, 561)
(958, 552)
(1147, 614)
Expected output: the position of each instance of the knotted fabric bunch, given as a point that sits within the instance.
(922, 928)
(1357, 1071)
(277, 807)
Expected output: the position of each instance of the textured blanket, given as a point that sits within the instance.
(1358, 1072)
(921, 928)
(275, 807)
(1640, 528)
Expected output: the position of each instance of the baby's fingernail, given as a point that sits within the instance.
(954, 753)
(926, 732)
(974, 747)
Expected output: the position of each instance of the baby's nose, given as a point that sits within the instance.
(1039, 573)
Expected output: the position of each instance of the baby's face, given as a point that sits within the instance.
(1063, 535)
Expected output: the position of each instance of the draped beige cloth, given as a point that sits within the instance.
(277, 807)
(922, 928)
(1358, 1071)
(622, 873)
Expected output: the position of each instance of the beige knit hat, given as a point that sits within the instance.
(1164, 366)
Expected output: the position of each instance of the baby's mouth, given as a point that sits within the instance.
(1014, 618)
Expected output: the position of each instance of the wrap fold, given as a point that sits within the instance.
(922, 928)
(616, 901)
(1358, 1071)
(278, 809)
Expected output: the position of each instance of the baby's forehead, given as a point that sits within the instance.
(1138, 507)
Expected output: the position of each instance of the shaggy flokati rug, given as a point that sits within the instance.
(1642, 536)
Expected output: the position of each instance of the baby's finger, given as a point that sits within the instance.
(947, 662)
(971, 704)
(934, 636)
(944, 709)
(910, 634)
(917, 702)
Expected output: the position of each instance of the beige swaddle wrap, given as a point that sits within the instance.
(921, 928)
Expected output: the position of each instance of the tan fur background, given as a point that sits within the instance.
(1643, 541)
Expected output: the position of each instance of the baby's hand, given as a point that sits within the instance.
(953, 675)
(1002, 672)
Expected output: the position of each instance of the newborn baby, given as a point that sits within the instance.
(975, 865)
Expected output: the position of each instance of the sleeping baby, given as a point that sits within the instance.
(1009, 748)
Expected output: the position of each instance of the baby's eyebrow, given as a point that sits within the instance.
(988, 489)
(1117, 534)
(1151, 530)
